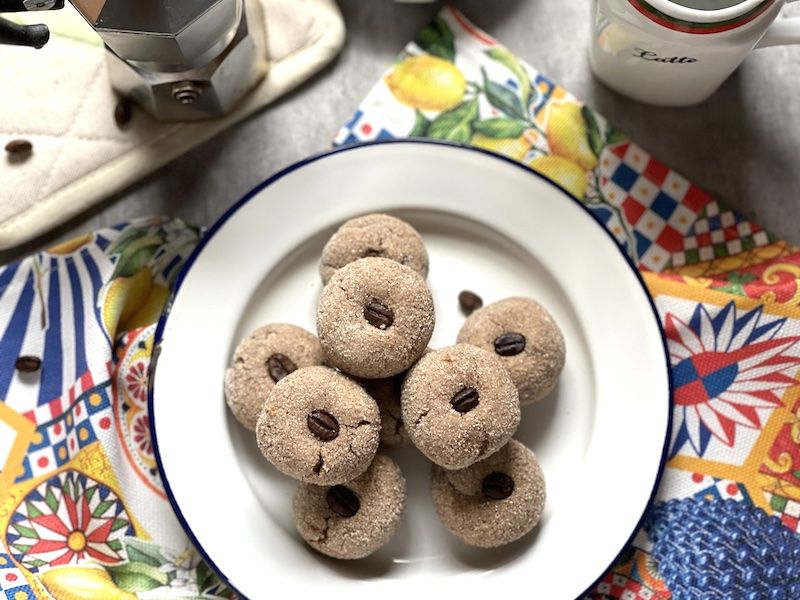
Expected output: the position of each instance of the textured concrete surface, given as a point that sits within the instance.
(742, 145)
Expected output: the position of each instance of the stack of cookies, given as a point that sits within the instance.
(322, 407)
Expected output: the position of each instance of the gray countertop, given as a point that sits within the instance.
(742, 145)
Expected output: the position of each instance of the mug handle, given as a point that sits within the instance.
(783, 31)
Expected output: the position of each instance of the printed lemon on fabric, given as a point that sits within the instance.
(564, 172)
(132, 299)
(427, 83)
(88, 583)
(567, 134)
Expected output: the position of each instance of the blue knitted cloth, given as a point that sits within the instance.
(724, 549)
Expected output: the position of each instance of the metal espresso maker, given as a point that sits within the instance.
(179, 59)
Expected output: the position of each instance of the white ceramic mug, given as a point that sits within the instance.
(663, 53)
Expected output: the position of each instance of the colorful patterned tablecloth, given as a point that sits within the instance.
(83, 512)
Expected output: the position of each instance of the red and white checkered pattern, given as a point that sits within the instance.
(661, 225)
(790, 515)
(718, 227)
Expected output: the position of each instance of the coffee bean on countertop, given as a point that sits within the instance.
(509, 344)
(379, 315)
(323, 425)
(28, 364)
(465, 400)
(469, 302)
(497, 486)
(343, 501)
(123, 112)
(279, 366)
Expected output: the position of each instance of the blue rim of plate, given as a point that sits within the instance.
(162, 322)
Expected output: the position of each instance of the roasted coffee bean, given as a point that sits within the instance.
(465, 400)
(323, 425)
(509, 344)
(279, 366)
(19, 147)
(469, 302)
(497, 486)
(123, 112)
(379, 315)
(343, 501)
(28, 364)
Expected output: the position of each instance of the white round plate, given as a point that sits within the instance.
(491, 226)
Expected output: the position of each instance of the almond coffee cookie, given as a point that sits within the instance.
(494, 501)
(319, 426)
(375, 318)
(526, 338)
(459, 405)
(374, 235)
(355, 519)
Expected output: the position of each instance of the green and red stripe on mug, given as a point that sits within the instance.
(676, 24)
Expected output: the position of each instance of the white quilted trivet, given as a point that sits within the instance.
(60, 100)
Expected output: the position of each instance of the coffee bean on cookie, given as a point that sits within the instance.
(526, 338)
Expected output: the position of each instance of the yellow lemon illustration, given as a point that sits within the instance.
(149, 310)
(123, 297)
(72, 245)
(82, 583)
(564, 172)
(427, 83)
(515, 148)
(567, 135)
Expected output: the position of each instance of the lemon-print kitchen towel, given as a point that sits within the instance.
(83, 513)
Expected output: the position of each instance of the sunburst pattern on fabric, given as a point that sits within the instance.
(727, 368)
(67, 519)
(136, 382)
(130, 406)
